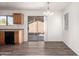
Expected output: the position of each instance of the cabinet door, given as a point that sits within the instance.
(16, 37)
(21, 36)
(2, 37)
(18, 18)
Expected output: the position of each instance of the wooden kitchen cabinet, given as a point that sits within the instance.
(18, 18)
(2, 37)
(18, 37)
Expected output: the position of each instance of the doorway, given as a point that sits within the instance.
(35, 28)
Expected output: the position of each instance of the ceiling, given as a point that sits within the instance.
(32, 5)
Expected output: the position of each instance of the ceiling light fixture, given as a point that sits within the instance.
(48, 11)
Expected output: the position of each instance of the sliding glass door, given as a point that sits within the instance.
(35, 28)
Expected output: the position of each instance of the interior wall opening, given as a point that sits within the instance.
(35, 28)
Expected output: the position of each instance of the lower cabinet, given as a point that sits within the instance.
(11, 37)
(2, 37)
(16, 37)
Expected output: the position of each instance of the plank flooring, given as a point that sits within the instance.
(39, 48)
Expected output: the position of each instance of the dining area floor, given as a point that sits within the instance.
(37, 48)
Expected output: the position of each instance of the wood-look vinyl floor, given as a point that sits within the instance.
(37, 48)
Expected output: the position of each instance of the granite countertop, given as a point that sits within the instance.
(10, 29)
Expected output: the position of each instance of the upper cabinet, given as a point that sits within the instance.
(18, 18)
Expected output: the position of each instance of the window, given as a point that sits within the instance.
(6, 20)
(2, 20)
(10, 20)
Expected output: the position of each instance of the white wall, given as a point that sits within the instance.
(55, 27)
(53, 24)
(71, 36)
